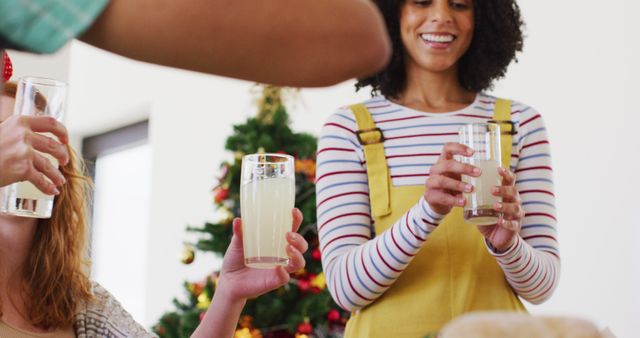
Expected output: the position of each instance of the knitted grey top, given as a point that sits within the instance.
(105, 317)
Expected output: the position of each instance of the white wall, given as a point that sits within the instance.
(54, 66)
(579, 69)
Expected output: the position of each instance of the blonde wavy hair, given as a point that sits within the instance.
(55, 274)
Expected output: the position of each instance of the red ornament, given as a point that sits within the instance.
(333, 315)
(160, 330)
(202, 315)
(305, 328)
(304, 285)
(316, 254)
(7, 69)
(221, 194)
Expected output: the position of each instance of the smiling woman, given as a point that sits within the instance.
(496, 38)
(395, 246)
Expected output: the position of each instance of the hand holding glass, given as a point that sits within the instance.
(484, 139)
(34, 97)
(267, 196)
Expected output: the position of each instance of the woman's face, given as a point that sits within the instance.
(435, 33)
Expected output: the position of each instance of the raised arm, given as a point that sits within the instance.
(283, 42)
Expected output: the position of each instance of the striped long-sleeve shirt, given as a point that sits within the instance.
(359, 264)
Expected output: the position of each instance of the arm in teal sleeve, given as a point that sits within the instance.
(44, 26)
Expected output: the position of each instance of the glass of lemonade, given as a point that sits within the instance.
(484, 139)
(36, 97)
(267, 196)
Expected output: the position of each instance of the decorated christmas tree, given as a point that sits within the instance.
(303, 307)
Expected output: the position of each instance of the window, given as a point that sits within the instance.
(120, 163)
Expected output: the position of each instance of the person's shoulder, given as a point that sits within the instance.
(108, 316)
(520, 111)
(345, 113)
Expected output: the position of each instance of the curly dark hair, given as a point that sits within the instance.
(496, 39)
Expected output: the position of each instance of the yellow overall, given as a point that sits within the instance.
(452, 274)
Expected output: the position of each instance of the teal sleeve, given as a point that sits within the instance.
(44, 26)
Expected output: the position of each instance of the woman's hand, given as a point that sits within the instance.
(240, 282)
(20, 145)
(444, 187)
(503, 234)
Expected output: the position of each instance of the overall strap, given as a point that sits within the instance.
(371, 139)
(502, 115)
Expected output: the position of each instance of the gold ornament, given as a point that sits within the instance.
(188, 255)
(319, 281)
(225, 215)
(237, 155)
(203, 301)
(306, 167)
(301, 335)
(270, 102)
(245, 321)
(195, 288)
(243, 333)
(247, 333)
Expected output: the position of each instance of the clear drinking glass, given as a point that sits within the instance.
(38, 97)
(484, 139)
(267, 196)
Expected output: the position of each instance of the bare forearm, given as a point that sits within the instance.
(285, 42)
(221, 319)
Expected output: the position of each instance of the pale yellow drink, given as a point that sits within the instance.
(266, 205)
(479, 208)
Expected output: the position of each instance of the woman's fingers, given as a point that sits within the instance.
(281, 277)
(441, 182)
(297, 218)
(441, 198)
(444, 185)
(508, 177)
(450, 149)
(454, 168)
(296, 260)
(297, 241)
(47, 124)
(296, 246)
(237, 229)
(45, 166)
(45, 144)
(510, 211)
(512, 225)
(508, 193)
(39, 180)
